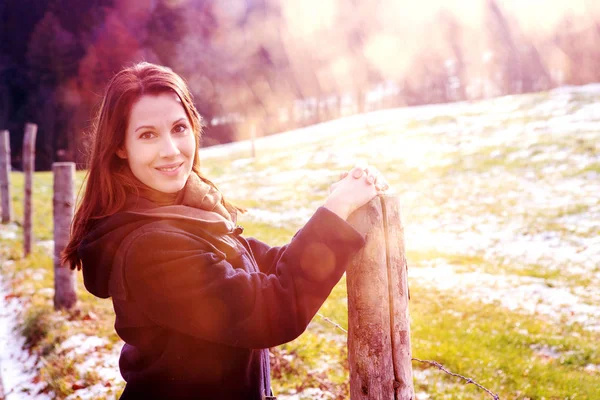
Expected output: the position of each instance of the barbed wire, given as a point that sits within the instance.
(332, 323)
(469, 380)
(433, 363)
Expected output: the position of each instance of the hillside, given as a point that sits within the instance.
(501, 209)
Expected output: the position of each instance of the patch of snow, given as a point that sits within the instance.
(528, 294)
(310, 393)
(545, 351)
(18, 368)
(592, 368)
(8, 231)
(104, 363)
(47, 245)
(284, 219)
(82, 344)
(92, 392)
(589, 88)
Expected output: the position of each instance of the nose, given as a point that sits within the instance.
(169, 147)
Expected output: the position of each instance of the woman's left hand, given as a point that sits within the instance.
(373, 176)
(355, 189)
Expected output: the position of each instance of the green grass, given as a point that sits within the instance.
(495, 347)
(485, 342)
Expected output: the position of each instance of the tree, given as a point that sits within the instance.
(507, 68)
(52, 58)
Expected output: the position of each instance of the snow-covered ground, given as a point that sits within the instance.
(18, 369)
(514, 180)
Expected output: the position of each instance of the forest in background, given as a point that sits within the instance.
(275, 64)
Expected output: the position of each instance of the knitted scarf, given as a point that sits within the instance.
(196, 193)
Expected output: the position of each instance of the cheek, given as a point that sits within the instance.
(189, 145)
(139, 159)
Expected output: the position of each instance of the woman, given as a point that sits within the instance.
(197, 304)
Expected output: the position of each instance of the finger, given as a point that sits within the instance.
(380, 181)
(372, 174)
(343, 175)
(382, 187)
(357, 172)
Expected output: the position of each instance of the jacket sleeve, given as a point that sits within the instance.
(199, 293)
(267, 257)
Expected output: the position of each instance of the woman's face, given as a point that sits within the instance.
(159, 142)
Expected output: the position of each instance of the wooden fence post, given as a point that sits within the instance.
(361, 102)
(28, 169)
(253, 139)
(5, 177)
(65, 296)
(291, 122)
(379, 349)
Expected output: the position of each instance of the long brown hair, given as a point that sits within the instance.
(105, 169)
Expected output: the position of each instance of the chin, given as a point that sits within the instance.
(172, 186)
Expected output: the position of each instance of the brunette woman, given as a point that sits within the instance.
(197, 304)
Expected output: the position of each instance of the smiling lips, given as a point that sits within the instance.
(171, 169)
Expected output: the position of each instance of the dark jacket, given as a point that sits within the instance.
(198, 305)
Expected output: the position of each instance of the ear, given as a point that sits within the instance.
(121, 153)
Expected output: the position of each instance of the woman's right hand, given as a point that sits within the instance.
(355, 189)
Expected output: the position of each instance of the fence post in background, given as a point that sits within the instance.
(65, 296)
(291, 116)
(379, 351)
(28, 169)
(253, 138)
(361, 101)
(5, 177)
(337, 107)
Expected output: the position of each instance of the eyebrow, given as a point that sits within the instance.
(151, 127)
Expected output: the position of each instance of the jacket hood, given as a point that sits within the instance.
(101, 245)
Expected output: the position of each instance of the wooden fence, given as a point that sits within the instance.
(63, 208)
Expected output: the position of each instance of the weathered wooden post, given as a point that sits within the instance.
(28, 169)
(379, 349)
(253, 138)
(361, 101)
(5, 177)
(65, 296)
(291, 109)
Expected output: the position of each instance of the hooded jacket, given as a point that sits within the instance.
(198, 305)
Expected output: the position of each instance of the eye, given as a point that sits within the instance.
(180, 128)
(147, 135)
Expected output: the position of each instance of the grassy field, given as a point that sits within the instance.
(501, 208)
